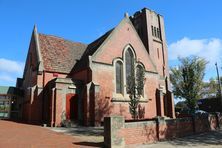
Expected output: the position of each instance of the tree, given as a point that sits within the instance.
(135, 85)
(211, 96)
(181, 105)
(187, 79)
(210, 89)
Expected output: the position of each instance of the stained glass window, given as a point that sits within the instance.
(119, 77)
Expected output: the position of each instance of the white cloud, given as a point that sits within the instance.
(7, 78)
(210, 49)
(9, 71)
(11, 66)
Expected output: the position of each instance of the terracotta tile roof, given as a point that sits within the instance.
(58, 54)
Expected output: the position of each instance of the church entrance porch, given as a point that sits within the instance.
(72, 107)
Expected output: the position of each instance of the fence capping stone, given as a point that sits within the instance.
(116, 130)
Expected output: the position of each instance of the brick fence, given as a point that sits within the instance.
(118, 133)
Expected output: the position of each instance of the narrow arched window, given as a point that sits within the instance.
(129, 64)
(119, 77)
(140, 79)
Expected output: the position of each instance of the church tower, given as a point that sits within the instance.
(150, 27)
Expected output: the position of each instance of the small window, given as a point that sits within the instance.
(163, 71)
(119, 77)
(158, 33)
(155, 31)
(158, 54)
(152, 31)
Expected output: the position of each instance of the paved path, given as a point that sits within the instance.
(87, 136)
(205, 140)
(18, 135)
(92, 136)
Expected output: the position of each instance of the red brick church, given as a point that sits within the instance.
(72, 81)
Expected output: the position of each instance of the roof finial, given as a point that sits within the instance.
(35, 28)
(126, 15)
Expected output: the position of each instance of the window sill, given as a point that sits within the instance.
(157, 40)
(121, 98)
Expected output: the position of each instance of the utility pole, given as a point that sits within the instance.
(219, 85)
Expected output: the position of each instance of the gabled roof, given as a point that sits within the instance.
(113, 31)
(92, 47)
(58, 54)
(61, 55)
(90, 50)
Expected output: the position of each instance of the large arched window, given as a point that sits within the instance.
(126, 70)
(129, 64)
(119, 77)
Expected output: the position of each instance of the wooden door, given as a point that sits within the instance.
(71, 107)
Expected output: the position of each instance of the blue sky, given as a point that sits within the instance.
(193, 27)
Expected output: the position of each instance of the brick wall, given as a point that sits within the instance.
(119, 133)
(180, 127)
(139, 132)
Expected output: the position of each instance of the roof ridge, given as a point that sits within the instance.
(58, 37)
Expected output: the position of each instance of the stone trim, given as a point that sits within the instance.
(64, 80)
(122, 76)
(158, 41)
(107, 64)
(127, 100)
(39, 56)
(139, 124)
(124, 97)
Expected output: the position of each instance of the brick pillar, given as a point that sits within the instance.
(112, 128)
(52, 122)
(58, 107)
(39, 94)
(96, 107)
(171, 108)
(161, 128)
(87, 105)
(92, 107)
(31, 89)
(160, 102)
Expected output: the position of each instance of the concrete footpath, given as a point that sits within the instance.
(211, 139)
(93, 137)
(87, 136)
